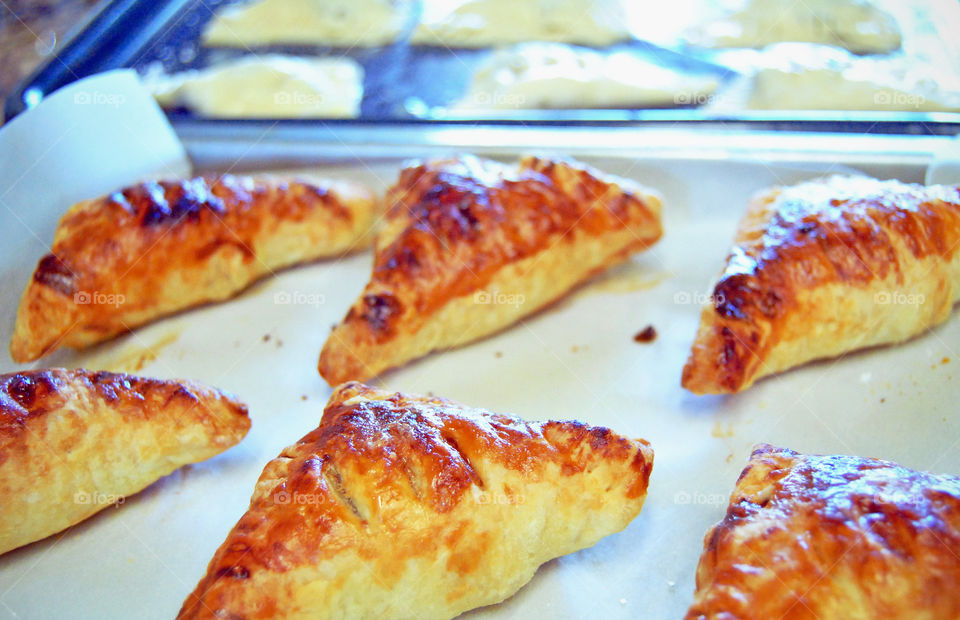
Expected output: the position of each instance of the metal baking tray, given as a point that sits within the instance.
(141, 33)
(574, 360)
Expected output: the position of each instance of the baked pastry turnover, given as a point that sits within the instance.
(402, 506)
(73, 442)
(823, 268)
(155, 248)
(833, 537)
(471, 246)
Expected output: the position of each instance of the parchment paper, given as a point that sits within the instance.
(577, 360)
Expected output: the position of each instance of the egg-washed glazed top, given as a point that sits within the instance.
(833, 537)
(163, 246)
(382, 471)
(452, 224)
(27, 396)
(835, 230)
(185, 220)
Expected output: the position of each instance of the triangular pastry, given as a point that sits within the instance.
(823, 268)
(471, 246)
(402, 506)
(833, 537)
(159, 247)
(351, 24)
(73, 442)
(495, 23)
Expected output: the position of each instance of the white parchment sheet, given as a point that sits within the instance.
(576, 360)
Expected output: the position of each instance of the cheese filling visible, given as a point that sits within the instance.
(271, 86)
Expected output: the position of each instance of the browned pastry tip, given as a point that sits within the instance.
(470, 246)
(832, 537)
(155, 248)
(823, 268)
(73, 442)
(404, 506)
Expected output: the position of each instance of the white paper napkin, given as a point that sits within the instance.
(85, 140)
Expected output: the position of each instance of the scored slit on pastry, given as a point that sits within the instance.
(73, 442)
(832, 537)
(405, 506)
(823, 268)
(156, 248)
(471, 246)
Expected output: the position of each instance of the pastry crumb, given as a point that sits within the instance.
(498, 354)
(720, 432)
(266, 337)
(647, 334)
(303, 397)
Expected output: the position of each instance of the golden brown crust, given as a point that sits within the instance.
(155, 248)
(833, 537)
(404, 506)
(74, 441)
(810, 270)
(460, 228)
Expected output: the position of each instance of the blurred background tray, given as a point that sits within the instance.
(403, 83)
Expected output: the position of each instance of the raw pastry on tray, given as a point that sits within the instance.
(860, 26)
(823, 268)
(833, 537)
(554, 75)
(403, 506)
(263, 86)
(159, 247)
(800, 76)
(471, 246)
(73, 442)
(491, 23)
(342, 23)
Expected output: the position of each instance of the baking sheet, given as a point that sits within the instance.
(404, 82)
(576, 360)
